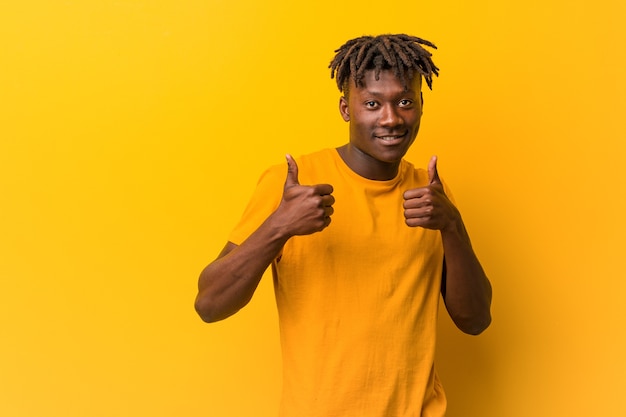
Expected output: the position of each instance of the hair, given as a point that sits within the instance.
(404, 54)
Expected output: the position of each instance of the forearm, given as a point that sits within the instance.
(228, 283)
(467, 289)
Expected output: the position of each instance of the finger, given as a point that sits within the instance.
(433, 175)
(416, 203)
(415, 193)
(327, 221)
(328, 200)
(292, 172)
(411, 222)
(323, 189)
(418, 213)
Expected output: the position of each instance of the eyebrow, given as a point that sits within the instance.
(378, 93)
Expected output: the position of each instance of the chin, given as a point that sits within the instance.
(391, 156)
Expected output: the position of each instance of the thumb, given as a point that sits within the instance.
(433, 175)
(292, 172)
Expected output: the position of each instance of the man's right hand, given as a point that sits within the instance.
(304, 209)
(228, 283)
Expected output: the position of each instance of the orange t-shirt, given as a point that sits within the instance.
(358, 301)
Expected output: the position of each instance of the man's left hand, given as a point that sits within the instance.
(429, 207)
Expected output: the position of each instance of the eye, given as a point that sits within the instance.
(406, 103)
(370, 104)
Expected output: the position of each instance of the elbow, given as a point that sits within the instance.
(475, 325)
(210, 310)
(204, 311)
(479, 327)
(475, 317)
(207, 311)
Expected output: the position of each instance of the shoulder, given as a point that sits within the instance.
(418, 177)
(309, 166)
(413, 176)
(316, 159)
(317, 166)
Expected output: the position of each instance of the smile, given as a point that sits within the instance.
(391, 138)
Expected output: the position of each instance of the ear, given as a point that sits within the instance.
(422, 99)
(343, 108)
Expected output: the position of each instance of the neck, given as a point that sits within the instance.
(366, 166)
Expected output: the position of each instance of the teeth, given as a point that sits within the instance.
(388, 137)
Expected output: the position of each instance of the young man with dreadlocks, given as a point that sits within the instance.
(358, 298)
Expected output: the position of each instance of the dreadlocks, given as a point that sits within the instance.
(401, 53)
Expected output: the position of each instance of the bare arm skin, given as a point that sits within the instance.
(466, 289)
(228, 283)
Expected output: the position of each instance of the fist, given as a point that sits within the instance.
(304, 209)
(429, 207)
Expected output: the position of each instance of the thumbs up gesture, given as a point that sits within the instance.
(429, 207)
(304, 209)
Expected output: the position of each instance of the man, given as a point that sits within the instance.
(358, 297)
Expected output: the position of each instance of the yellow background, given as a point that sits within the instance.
(132, 134)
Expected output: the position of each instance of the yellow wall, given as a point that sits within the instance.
(132, 133)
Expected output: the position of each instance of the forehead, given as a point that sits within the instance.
(387, 82)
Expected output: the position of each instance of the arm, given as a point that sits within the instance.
(228, 283)
(465, 288)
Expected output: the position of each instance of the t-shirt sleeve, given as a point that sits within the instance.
(264, 201)
(448, 192)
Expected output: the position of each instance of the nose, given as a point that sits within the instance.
(389, 116)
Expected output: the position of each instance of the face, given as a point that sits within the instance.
(384, 120)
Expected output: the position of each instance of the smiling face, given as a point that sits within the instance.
(384, 120)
